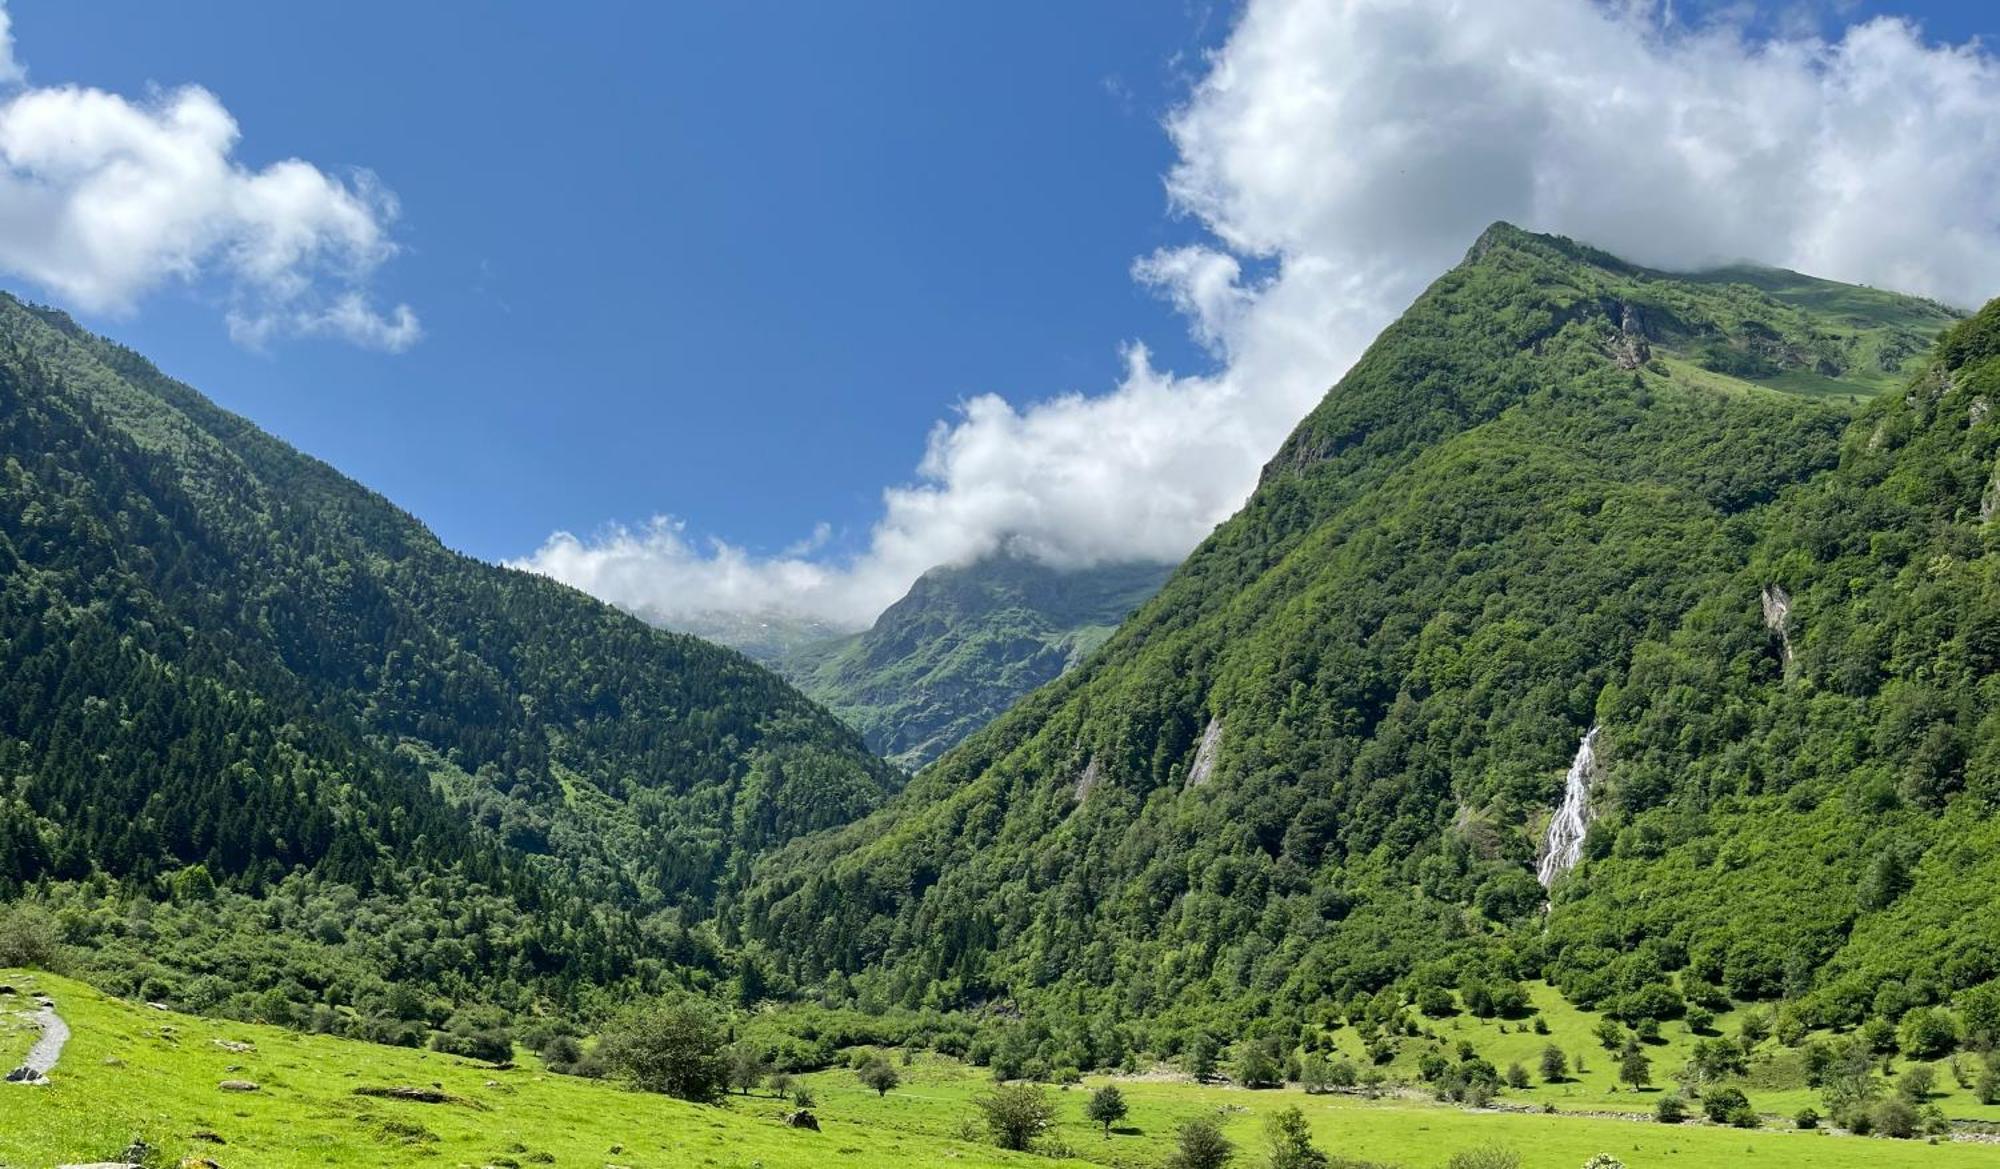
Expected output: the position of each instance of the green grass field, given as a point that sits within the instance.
(134, 1072)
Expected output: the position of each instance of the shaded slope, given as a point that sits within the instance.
(216, 651)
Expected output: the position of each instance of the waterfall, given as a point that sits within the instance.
(1565, 839)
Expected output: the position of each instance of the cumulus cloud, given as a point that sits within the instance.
(103, 200)
(1345, 152)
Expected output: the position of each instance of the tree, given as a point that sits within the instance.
(1517, 1076)
(1199, 1144)
(1609, 1033)
(1290, 1140)
(1927, 1033)
(1635, 1068)
(747, 1068)
(673, 1047)
(1257, 1069)
(1555, 1066)
(1916, 1083)
(1016, 1114)
(1670, 1109)
(1315, 1073)
(1106, 1107)
(1201, 1058)
(878, 1074)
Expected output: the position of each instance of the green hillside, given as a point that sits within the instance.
(267, 744)
(1307, 783)
(964, 645)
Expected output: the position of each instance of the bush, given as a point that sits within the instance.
(1670, 1110)
(1291, 1142)
(1517, 1076)
(1927, 1033)
(878, 1074)
(1807, 1118)
(1728, 1106)
(1485, 1157)
(1199, 1144)
(1016, 1114)
(29, 937)
(673, 1047)
(1896, 1117)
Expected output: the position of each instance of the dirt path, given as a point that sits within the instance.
(43, 1055)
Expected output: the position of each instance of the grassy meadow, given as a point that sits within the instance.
(135, 1073)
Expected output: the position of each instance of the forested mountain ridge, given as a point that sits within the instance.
(1316, 766)
(218, 653)
(963, 645)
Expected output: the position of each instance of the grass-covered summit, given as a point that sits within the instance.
(1317, 766)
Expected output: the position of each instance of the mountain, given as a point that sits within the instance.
(964, 645)
(250, 700)
(1740, 523)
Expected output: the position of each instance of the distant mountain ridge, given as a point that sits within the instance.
(963, 645)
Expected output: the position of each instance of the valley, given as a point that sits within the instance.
(1581, 742)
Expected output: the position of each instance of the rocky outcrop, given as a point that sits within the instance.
(1204, 755)
(1088, 781)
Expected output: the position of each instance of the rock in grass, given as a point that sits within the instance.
(803, 1118)
(238, 1085)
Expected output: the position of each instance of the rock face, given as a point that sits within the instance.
(1204, 755)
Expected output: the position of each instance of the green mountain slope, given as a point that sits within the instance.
(1318, 765)
(217, 652)
(964, 645)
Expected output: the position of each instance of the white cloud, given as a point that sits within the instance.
(103, 200)
(1353, 149)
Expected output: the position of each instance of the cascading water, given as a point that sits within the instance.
(1565, 839)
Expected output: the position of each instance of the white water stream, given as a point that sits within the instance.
(1564, 843)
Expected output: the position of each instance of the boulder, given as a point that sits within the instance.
(803, 1118)
(238, 1085)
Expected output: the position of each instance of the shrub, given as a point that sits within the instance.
(1670, 1110)
(29, 937)
(1485, 1157)
(673, 1047)
(1291, 1142)
(1517, 1076)
(1199, 1144)
(1807, 1118)
(1895, 1116)
(1728, 1106)
(877, 1073)
(1016, 1114)
(1927, 1033)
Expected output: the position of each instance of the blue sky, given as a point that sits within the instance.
(727, 261)
(732, 263)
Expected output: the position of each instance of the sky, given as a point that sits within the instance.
(769, 307)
